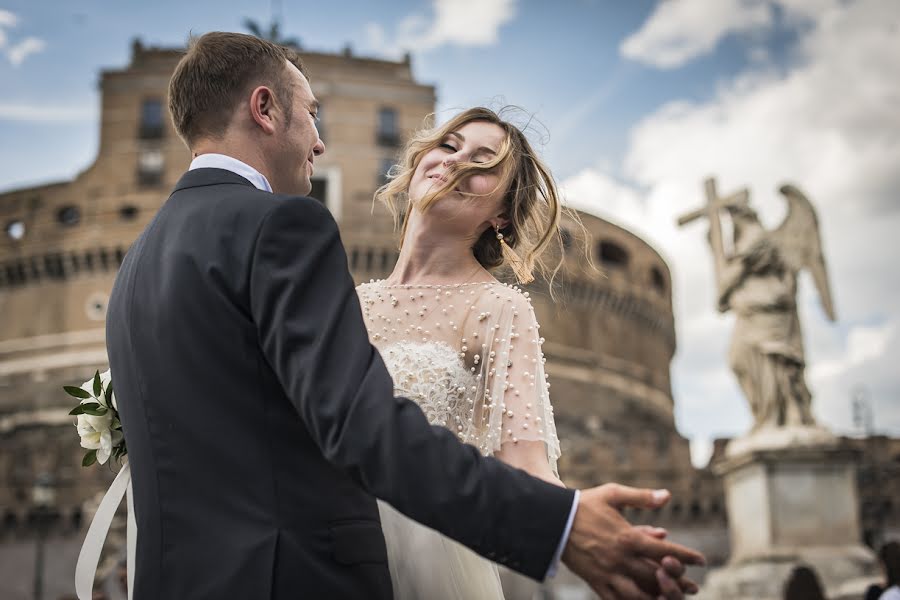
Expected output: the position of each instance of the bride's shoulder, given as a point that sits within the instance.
(368, 287)
(511, 295)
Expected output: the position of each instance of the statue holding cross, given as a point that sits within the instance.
(757, 281)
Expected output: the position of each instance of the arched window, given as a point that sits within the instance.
(658, 279)
(567, 239)
(68, 216)
(151, 119)
(388, 130)
(612, 254)
(128, 212)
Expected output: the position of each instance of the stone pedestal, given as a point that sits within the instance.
(789, 505)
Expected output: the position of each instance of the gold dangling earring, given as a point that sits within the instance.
(522, 273)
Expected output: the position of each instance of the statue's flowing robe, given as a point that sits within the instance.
(766, 351)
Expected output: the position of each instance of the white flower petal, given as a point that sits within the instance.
(99, 423)
(91, 441)
(105, 447)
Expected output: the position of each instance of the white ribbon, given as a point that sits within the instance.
(89, 557)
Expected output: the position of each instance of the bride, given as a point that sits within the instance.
(470, 197)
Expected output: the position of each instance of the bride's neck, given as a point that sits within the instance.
(430, 257)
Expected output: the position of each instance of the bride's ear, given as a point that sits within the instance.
(500, 221)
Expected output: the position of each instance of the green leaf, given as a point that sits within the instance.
(76, 392)
(94, 412)
(98, 386)
(78, 410)
(109, 394)
(90, 457)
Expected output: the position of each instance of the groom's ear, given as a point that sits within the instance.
(262, 108)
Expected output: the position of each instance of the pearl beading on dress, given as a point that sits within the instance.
(469, 354)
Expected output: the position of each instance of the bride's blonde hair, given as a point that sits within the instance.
(531, 201)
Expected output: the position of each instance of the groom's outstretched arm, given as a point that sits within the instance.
(311, 331)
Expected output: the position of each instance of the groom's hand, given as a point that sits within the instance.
(621, 561)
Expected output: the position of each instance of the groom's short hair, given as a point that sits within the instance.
(218, 69)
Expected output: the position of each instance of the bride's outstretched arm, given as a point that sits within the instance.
(531, 457)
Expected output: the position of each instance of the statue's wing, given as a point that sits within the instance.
(798, 240)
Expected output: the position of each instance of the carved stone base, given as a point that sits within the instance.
(781, 437)
(786, 506)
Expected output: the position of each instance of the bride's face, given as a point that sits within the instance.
(477, 199)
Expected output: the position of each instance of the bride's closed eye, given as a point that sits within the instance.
(447, 147)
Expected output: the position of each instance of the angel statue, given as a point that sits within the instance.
(758, 282)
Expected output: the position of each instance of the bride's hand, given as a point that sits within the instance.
(619, 560)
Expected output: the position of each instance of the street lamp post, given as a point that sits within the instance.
(43, 496)
(864, 419)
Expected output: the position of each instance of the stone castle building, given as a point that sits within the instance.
(610, 334)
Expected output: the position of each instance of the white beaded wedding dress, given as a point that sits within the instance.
(470, 356)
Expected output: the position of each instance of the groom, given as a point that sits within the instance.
(260, 422)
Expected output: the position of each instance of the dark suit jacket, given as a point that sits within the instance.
(260, 422)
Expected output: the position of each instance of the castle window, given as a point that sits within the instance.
(319, 189)
(96, 306)
(150, 167)
(658, 280)
(128, 212)
(15, 230)
(10, 522)
(320, 123)
(68, 215)
(151, 120)
(612, 254)
(566, 238)
(15, 273)
(696, 510)
(53, 266)
(387, 128)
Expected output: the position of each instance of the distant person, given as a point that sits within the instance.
(803, 584)
(889, 556)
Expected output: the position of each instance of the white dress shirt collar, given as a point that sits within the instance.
(221, 161)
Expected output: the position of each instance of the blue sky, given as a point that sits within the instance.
(638, 102)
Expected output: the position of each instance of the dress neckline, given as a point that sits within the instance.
(383, 283)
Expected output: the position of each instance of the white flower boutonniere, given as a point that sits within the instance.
(98, 422)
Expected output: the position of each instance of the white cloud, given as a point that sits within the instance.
(44, 114)
(20, 51)
(7, 19)
(454, 22)
(680, 30)
(30, 45)
(863, 344)
(598, 193)
(829, 124)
